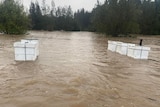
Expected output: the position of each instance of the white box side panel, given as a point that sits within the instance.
(124, 50)
(131, 45)
(19, 44)
(25, 51)
(32, 41)
(30, 51)
(130, 52)
(30, 57)
(113, 46)
(19, 50)
(20, 57)
(145, 54)
(137, 54)
(109, 46)
(118, 46)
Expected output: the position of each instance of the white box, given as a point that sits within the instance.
(20, 57)
(141, 52)
(24, 48)
(137, 52)
(32, 41)
(112, 46)
(145, 52)
(118, 47)
(25, 51)
(130, 51)
(130, 44)
(124, 48)
(25, 57)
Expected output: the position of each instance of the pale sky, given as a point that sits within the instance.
(75, 4)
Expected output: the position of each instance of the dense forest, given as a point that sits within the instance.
(13, 19)
(114, 17)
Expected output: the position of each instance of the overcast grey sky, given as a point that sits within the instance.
(75, 4)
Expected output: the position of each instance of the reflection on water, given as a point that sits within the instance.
(75, 69)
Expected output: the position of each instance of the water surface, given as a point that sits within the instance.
(75, 69)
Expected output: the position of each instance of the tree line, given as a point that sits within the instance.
(60, 18)
(113, 17)
(127, 17)
(13, 19)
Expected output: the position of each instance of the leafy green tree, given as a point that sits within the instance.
(36, 16)
(32, 15)
(64, 19)
(13, 19)
(129, 13)
(99, 18)
(147, 17)
(112, 18)
(116, 17)
(83, 19)
(157, 17)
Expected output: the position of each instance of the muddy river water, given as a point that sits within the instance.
(75, 69)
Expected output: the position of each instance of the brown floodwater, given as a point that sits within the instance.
(75, 69)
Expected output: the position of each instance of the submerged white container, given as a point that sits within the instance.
(112, 46)
(145, 52)
(141, 52)
(137, 52)
(25, 51)
(130, 44)
(118, 47)
(130, 51)
(32, 41)
(124, 48)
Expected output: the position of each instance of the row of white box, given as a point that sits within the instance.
(131, 50)
(26, 50)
